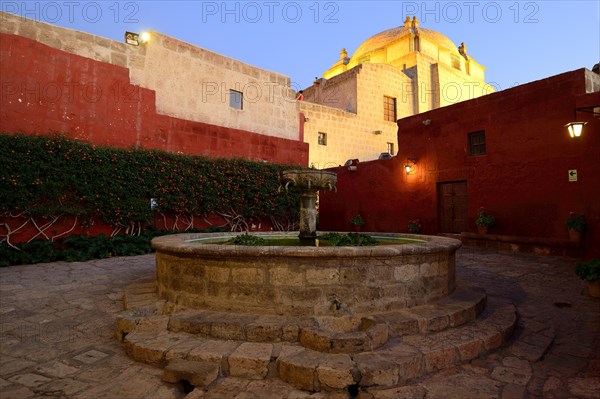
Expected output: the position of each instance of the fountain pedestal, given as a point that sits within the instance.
(309, 182)
(308, 216)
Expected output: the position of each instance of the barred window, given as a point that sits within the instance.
(389, 109)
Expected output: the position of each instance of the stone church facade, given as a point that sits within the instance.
(351, 112)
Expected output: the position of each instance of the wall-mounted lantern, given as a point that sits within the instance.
(411, 166)
(575, 128)
(592, 107)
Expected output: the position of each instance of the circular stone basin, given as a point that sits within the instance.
(292, 240)
(303, 281)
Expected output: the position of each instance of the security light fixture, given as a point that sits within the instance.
(135, 39)
(132, 38)
(352, 164)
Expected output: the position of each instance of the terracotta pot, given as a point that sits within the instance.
(574, 235)
(593, 287)
(482, 229)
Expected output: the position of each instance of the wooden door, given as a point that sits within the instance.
(452, 207)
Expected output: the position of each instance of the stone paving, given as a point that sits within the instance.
(57, 325)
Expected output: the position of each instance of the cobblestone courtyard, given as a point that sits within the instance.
(57, 336)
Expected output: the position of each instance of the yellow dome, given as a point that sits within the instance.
(387, 37)
(403, 47)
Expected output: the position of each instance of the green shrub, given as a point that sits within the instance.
(37, 251)
(79, 248)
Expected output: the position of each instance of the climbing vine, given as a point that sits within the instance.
(52, 176)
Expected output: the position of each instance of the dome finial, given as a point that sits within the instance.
(343, 53)
(462, 49)
(415, 22)
(344, 56)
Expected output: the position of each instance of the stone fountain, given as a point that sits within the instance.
(316, 318)
(309, 182)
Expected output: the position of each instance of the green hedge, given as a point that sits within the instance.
(52, 175)
(79, 248)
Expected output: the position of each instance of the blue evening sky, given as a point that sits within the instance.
(518, 41)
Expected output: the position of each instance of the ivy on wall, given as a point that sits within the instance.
(52, 175)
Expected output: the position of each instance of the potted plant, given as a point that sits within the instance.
(590, 272)
(357, 221)
(414, 226)
(484, 221)
(576, 226)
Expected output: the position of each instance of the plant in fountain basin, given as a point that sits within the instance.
(484, 221)
(247, 239)
(348, 239)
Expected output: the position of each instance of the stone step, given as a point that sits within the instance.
(399, 360)
(198, 374)
(339, 334)
(240, 326)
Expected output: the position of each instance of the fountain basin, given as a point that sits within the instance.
(303, 281)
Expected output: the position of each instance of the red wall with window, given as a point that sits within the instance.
(47, 90)
(522, 179)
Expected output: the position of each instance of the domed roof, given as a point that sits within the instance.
(389, 36)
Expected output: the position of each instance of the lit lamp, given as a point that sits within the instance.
(135, 39)
(132, 38)
(410, 166)
(575, 128)
(144, 37)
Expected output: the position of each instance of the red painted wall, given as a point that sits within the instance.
(47, 90)
(522, 180)
(23, 229)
